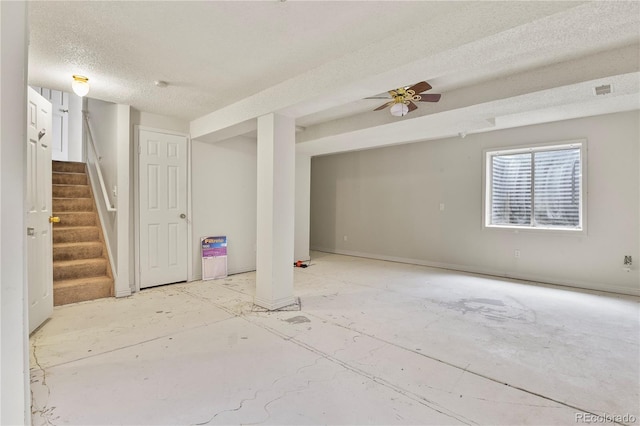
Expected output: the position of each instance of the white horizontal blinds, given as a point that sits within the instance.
(537, 187)
(511, 189)
(557, 183)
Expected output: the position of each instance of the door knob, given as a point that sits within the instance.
(54, 219)
(183, 216)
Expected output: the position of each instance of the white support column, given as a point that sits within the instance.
(275, 226)
(303, 207)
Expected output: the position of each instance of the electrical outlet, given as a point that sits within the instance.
(344, 238)
(441, 207)
(516, 254)
(628, 261)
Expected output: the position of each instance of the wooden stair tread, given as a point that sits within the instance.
(63, 228)
(82, 281)
(74, 219)
(68, 173)
(79, 268)
(70, 198)
(78, 243)
(77, 250)
(94, 260)
(81, 213)
(81, 290)
(68, 166)
(70, 184)
(71, 234)
(69, 178)
(76, 204)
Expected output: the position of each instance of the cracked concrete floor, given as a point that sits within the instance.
(374, 343)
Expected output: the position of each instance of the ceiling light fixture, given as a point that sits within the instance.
(399, 109)
(80, 85)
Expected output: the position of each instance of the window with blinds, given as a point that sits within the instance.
(536, 187)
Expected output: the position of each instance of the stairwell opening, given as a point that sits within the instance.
(81, 269)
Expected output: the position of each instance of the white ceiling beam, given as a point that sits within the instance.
(531, 108)
(618, 61)
(238, 129)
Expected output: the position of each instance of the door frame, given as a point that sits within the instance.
(136, 200)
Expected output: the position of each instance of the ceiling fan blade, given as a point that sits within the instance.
(412, 106)
(420, 87)
(430, 97)
(378, 97)
(384, 106)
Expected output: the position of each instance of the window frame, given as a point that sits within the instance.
(489, 153)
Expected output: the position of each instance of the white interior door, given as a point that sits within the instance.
(38, 204)
(60, 123)
(162, 169)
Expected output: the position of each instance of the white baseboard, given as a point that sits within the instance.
(123, 293)
(488, 271)
(272, 305)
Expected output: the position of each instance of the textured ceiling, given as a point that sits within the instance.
(496, 63)
(211, 53)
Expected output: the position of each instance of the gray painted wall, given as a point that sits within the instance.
(302, 206)
(386, 202)
(75, 128)
(103, 117)
(110, 124)
(224, 199)
(161, 122)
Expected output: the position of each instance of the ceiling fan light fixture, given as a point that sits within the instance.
(399, 110)
(80, 85)
(402, 100)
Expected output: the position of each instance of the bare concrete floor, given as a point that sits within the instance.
(375, 343)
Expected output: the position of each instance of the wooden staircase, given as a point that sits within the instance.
(81, 268)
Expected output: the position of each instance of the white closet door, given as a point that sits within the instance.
(163, 208)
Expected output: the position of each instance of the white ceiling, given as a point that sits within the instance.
(229, 62)
(211, 53)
